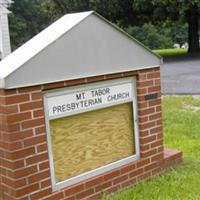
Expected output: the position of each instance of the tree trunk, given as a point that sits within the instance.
(193, 23)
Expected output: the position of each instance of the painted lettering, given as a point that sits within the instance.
(118, 96)
(100, 92)
(90, 99)
(80, 96)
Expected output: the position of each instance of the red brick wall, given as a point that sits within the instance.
(24, 166)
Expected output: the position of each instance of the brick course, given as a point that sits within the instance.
(24, 164)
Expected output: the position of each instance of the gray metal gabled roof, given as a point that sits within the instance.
(75, 46)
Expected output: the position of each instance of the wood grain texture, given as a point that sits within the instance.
(90, 140)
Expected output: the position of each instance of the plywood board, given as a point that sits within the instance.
(90, 140)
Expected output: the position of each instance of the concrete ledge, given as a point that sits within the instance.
(172, 157)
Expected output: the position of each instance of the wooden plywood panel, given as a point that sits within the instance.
(90, 140)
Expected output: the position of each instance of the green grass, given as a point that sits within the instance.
(170, 52)
(182, 131)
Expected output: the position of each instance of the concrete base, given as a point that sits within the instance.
(172, 157)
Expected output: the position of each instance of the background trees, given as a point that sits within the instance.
(156, 23)
(26, 20)
(186, 11)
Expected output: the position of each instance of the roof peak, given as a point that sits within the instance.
(36, 44)
(95, 27)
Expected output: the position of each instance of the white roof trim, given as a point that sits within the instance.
(39, 42)
(2, 83)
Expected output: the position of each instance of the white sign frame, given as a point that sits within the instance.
(100, 170)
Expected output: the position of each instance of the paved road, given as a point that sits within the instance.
(181, 77)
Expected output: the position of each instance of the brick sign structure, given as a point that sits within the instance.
(80, 113)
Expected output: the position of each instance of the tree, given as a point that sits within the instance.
(25, 21)
(179, 33)
(31, 16)
(185, 10)
(55, 9)
(155, 37)
(192, 16)
(137, 12)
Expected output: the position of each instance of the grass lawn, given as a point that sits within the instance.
(170, 52)
(182, 131)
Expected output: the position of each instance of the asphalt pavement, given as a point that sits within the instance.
(181, 76)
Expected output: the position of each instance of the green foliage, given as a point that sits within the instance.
(181, 129)
(179, 33)
(187, 11)
(145, 20)
(160, 36)
(26, 20)
(180, 7)
(152, 36)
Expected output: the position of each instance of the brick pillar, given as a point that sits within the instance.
(150, 117)
(7, 165)
(24, 163)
